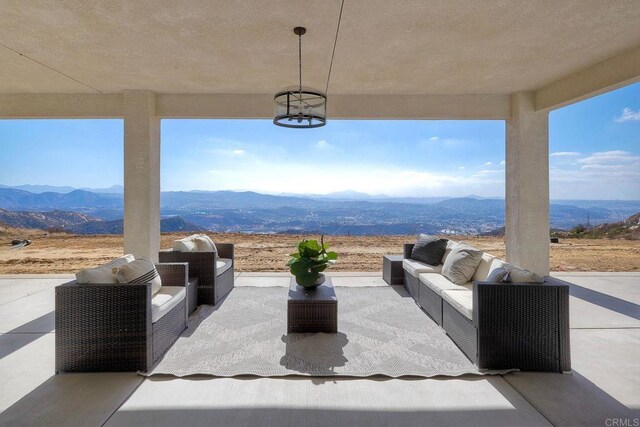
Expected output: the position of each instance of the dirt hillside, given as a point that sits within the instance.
(63, 253)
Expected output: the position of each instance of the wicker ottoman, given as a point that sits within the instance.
(312, 310)
(392, 271)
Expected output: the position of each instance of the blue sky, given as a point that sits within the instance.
(594, 154)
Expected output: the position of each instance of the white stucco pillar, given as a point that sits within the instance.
(141, 174)
(527, 185)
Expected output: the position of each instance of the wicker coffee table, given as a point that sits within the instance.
(312, 310)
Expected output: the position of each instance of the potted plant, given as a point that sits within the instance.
(310, 261)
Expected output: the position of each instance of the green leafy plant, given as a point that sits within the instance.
(311, 259)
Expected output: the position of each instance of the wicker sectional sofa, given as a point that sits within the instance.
(522, 325)
(119, 327)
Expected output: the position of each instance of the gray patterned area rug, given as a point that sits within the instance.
(381, 332)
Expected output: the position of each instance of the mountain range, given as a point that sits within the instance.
(78, 223)
(88, 212)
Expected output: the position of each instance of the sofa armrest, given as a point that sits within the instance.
(516, 298)
(530, 317)
(408, 247)
(226, 250)
(173, 274)
(103, 326)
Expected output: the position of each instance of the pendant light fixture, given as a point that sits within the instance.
(300, 108)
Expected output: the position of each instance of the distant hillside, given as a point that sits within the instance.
(76, 200)
(627, 229)
(77, 223)
(339, 213)
(44, 220)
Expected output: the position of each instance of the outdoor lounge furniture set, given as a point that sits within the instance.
(124, 315)
(500, 316)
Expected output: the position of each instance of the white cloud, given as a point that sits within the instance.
(486, 172)
(628, 115)
(272, 177)
(605, 175)
(228, 152)
(564, 154)
(323, 145)
(488, 164)
(502, 163)
(461, 167)
(450, 142)
(606, 157)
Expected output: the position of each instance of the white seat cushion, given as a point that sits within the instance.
(106, 273)
(223, 264)
(414, 267)
(461, 300)
(166, 298)
(438, 283)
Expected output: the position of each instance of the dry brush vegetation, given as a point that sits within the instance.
(64, 253)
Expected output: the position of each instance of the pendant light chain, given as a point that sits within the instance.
(300, 64)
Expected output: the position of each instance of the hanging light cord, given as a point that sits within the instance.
(300, 64)
(335, 43)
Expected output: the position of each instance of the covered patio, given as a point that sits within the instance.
(146, 61)
(605, 337)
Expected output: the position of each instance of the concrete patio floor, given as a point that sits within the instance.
(604, 385)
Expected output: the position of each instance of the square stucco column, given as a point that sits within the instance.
(527, 185)
(141, 175)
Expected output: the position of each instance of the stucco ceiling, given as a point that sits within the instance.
(384, 46)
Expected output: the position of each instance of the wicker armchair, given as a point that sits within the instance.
(213, 285)
(108, 327)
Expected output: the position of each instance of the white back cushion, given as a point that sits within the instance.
(450, 245)
(185, 245)
(141, 270)
(516, 274)
(204, 243)
(461, 263)
(105, 273)
(483, 268)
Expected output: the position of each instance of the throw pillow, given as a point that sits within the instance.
(185, 245)
(498, 275)
(204, 243)
(519, 275)
(104, 273)
(141, 270)
(429, 250)
(461, 263)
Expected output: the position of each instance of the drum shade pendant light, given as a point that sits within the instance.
(300, 108)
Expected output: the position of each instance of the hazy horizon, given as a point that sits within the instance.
(340, 193)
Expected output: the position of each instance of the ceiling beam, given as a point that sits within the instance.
(610, 74)
(419, 107)
(60, 106)
(258, 106)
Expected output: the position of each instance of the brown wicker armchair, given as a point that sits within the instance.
(109, 327)
(213, 283)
